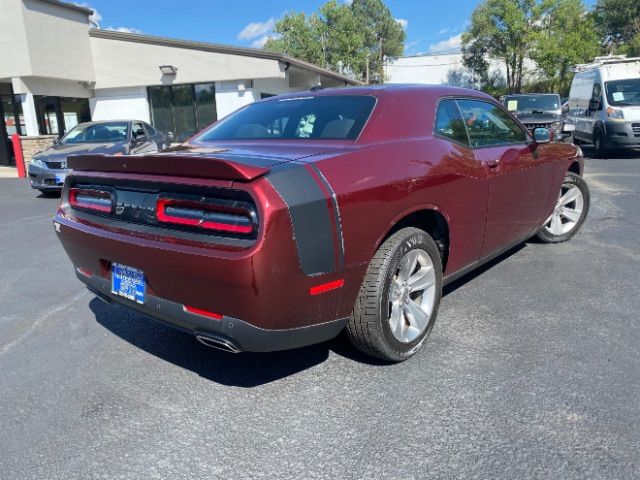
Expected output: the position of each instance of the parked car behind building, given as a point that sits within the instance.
(307, 213)
(604, 103)
(48, 169)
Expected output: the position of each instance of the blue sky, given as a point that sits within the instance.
(431, 26)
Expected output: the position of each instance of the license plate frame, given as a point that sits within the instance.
(128, 282)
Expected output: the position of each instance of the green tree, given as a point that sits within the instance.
(294, 33)
(383, 35)
(501, 29)
(555, 34)
(618, 23)
(566, 37)
(353, 38)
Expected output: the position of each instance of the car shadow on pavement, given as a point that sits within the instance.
(183, 350)
(54, 194)
(245, 369)
(591, 154)
(456, 284)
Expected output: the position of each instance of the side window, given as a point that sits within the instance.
(597, 94)
(488, 125)
(449, 122)
(137, 130)
(151, 132)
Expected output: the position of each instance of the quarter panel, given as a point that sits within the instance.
(378, 185)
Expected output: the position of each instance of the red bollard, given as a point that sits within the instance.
(17, 153)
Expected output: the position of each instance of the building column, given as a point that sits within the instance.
(30, 115)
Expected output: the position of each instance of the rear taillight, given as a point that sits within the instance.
(90, 199)
(227, 216)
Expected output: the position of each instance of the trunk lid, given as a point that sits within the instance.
(236, 163)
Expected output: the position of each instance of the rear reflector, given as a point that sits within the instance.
(83, 271)
(209, 214)
(89, 199)
(326, 287)
(204, 313)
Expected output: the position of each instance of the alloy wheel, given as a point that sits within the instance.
(412, 296)
(567, 212)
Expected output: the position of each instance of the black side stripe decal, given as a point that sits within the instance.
(336, 214)
(309, 216)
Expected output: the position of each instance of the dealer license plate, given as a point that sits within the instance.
(127, 282)
(60, 178)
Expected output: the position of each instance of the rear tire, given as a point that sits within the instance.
(399, 298)
(569, 213)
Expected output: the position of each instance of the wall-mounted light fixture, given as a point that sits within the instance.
(168, 69)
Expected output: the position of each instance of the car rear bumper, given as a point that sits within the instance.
(227, 333)
(622, 134)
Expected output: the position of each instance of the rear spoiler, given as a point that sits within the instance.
(216, 167)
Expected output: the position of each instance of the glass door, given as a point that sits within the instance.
(11, 122)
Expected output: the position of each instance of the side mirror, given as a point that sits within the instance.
(542, 135)
(565, 108)
(594, 104)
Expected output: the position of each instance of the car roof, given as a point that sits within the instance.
(105, 122)
(388, 89)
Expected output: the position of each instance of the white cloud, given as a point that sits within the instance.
(450, 45)
(259, 43)
(442, 31)
(124, 29)
(256, 29)
(404, 23)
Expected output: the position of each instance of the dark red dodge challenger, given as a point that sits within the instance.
(303, 214)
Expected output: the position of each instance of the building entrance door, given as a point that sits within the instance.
(11, 121)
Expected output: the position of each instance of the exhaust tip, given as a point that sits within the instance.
(219, 343)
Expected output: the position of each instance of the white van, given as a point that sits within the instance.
(604, 103)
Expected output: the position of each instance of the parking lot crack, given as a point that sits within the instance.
(39, 320)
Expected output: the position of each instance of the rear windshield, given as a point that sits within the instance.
(337, 117)
(97, 133)
(532, 103)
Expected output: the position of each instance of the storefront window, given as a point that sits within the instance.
(13, 118)
(74, 111)
(183, 110)
(206, 104)
(160, 100)
(58, 115)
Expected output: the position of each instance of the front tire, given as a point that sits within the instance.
(598, 144)
(569, 213)
(399, 298)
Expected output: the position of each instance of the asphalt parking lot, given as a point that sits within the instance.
(532, 371)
